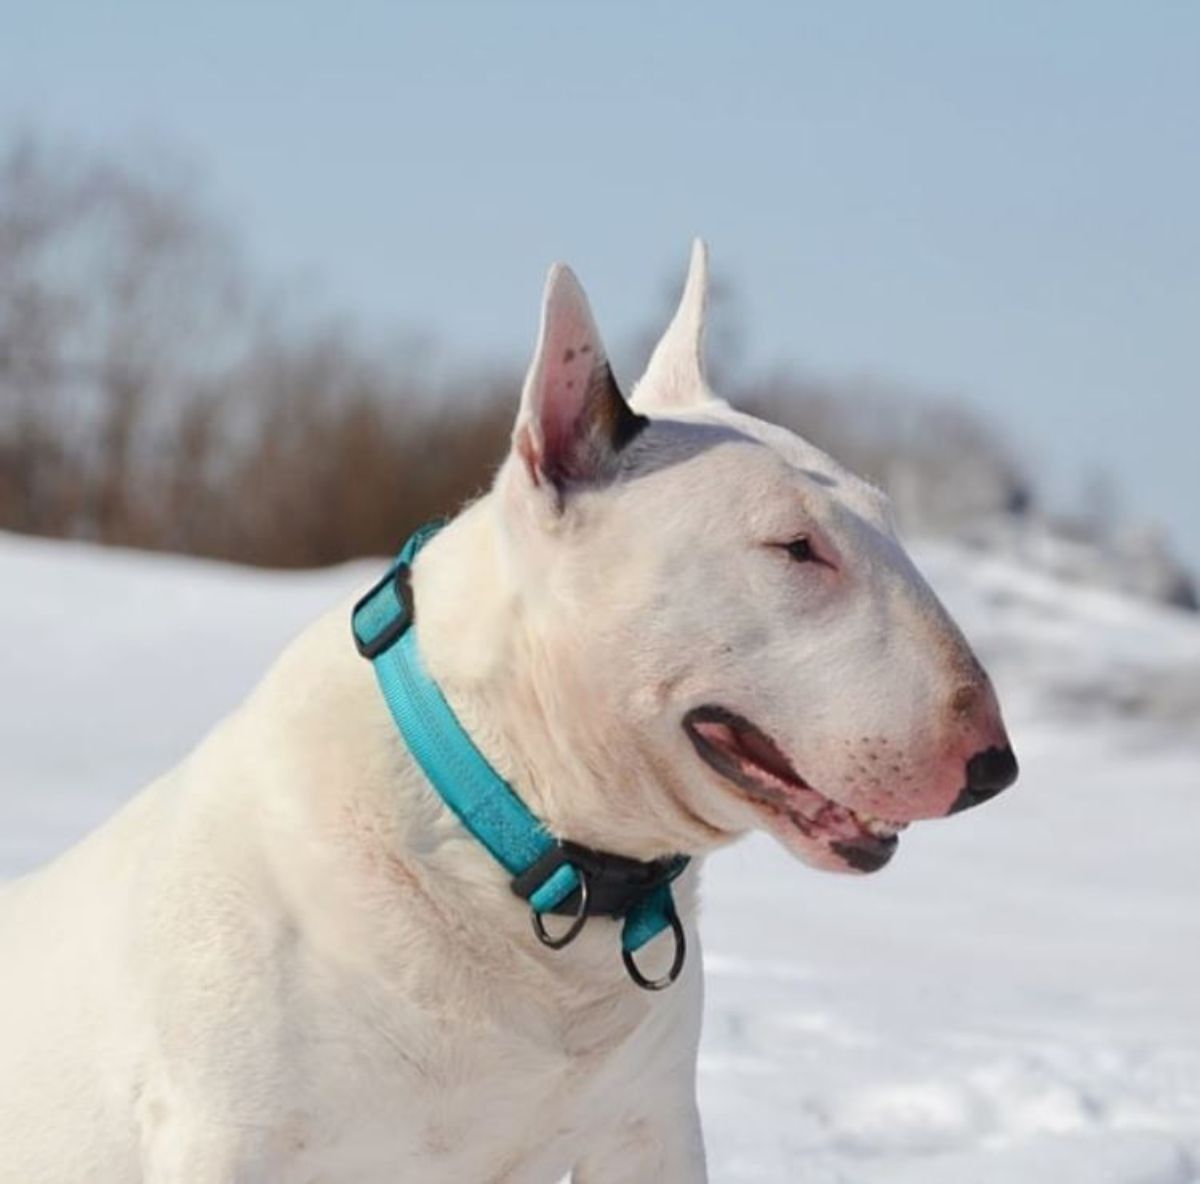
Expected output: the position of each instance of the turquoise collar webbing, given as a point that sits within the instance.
(484, 802)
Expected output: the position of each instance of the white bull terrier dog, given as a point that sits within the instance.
(307, 954)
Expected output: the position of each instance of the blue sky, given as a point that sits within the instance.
(995, 201)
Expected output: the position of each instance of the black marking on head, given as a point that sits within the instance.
(629, 423)
(605, 427)
(613, 421)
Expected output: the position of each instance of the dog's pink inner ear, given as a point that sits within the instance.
(573, 418)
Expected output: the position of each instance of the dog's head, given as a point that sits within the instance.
(725, 616)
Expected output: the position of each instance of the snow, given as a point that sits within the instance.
(1015, 999)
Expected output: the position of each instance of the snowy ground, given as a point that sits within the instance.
(1016, 999)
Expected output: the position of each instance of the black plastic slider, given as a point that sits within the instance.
(387, 637)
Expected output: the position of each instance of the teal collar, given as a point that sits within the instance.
(554, 875)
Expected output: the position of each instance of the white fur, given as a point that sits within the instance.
(286, 962)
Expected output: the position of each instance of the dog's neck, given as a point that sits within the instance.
(534, 713)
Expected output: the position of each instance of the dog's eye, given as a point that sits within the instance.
(801, 551)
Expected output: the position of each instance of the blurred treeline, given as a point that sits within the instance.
(154, 394)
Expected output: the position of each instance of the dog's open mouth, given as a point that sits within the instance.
(751, 760)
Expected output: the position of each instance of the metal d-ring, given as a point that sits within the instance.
(576, 927)
(658, 984)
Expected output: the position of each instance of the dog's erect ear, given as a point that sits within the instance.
(675, 374)
(573, 420)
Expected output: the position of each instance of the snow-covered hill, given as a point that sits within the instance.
(1015, 999)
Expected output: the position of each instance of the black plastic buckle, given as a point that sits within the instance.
(401, 585)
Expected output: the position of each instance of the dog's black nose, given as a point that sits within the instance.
(988, 772)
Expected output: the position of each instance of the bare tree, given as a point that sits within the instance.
(149, 395)
(119, 303)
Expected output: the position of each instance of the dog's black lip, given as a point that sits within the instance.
(867, 857)
(868, 854)
(720, 761)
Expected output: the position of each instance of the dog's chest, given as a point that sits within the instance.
(497, 1096)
